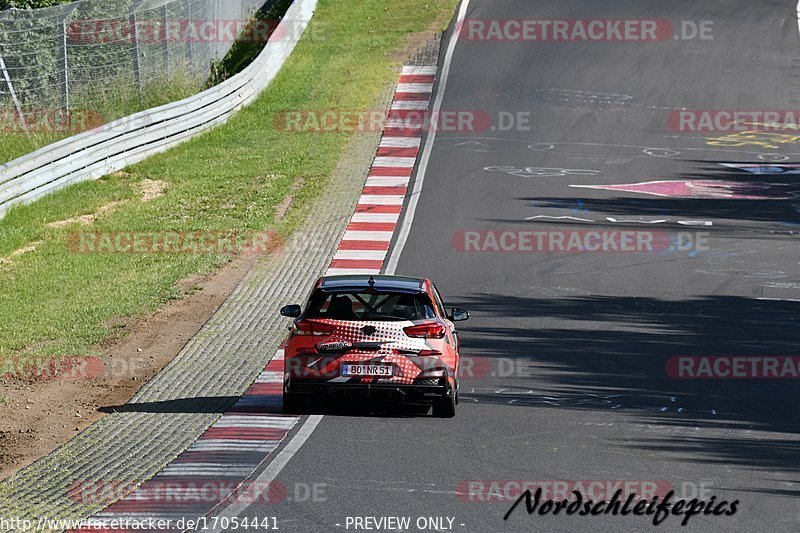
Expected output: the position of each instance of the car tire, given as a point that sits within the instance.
(445, 407)
(292, 403)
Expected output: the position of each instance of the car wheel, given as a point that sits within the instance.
(445, 407)
(292, 403)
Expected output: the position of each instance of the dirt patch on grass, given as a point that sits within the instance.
(416, 42)
(282, 209)
(87, 220)
(28, 248)
(151, 189)
(148, 189)
(39, 416)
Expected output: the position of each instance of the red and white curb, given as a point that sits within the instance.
(215, 468)
(366, 241)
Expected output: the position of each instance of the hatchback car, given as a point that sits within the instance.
(370, 337)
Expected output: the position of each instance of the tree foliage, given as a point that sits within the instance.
(30, 4)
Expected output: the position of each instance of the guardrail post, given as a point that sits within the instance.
(13, 93)
(165, 35)
(217, 41)
(62, 61)
(187, 13)
(137, 66)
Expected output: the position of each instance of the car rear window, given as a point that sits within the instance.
(369, 306)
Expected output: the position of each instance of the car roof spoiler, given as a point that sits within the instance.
(376, 283)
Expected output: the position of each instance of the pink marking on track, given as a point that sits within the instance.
(699, 189)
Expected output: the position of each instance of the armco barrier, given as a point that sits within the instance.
(114, 146)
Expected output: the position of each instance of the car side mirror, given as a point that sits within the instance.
(292, 311)
(458, 315)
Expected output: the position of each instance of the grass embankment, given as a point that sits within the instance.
(55, 302)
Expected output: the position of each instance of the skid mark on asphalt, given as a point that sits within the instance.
(372, 486)
(595, 150)
(565, 217)
(541, 172)
(624, 402)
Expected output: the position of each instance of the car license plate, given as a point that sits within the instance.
(367, 370)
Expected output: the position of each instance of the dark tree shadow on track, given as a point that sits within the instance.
(618, 362)
(735, 211)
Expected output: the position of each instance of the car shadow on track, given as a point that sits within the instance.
(224, 404)
(363, 408)
(200, 404)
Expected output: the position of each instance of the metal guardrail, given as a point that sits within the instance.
(60, 58)
(114, 146)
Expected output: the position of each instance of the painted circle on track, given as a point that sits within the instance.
(542, 147)
(773, 157)
(743, 273)
(660, 152)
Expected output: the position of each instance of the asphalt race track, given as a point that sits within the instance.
(570, 351)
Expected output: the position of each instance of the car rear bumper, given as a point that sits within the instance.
(414, 394)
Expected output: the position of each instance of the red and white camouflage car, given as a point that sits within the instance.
(371, 336)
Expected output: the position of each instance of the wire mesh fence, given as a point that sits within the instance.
(62, 58)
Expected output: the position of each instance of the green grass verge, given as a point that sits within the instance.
(55, 302)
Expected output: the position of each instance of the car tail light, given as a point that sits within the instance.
(312, 327)
(433, 330)
(420, 353)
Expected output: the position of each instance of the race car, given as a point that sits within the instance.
(363, 336)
